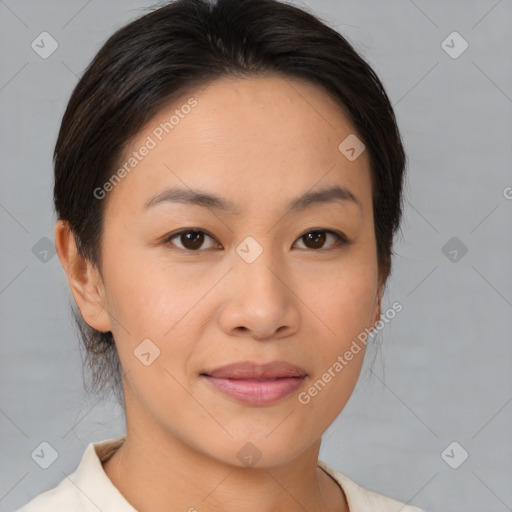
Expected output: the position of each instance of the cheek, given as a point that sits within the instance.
(149, 295)
(337, 350)
(149, 307)
(344, 304)
(343, 300)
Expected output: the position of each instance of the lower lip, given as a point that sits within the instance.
(257, 392)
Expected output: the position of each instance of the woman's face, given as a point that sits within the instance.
(264, 280)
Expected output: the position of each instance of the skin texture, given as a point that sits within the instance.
(260, 142)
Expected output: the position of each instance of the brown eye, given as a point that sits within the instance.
(190, 240)
(316, 239)
(193, 240)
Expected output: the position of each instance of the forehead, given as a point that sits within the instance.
(245, 138)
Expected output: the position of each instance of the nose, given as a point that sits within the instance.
(261, 302)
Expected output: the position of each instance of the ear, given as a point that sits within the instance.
(84, 279)
(376, 312)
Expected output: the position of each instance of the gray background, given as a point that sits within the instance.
(443, 373)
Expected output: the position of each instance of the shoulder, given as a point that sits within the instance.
(63, 497)
(363, 500)
(87, 489)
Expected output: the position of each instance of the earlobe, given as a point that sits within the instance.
(377, 307)
(83, 278)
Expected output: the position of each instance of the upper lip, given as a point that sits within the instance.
(252, 370)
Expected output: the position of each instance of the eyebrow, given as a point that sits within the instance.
(200, 198)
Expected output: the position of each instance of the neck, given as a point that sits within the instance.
(155, 472)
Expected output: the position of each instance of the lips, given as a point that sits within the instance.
(250, 370)
(254, 384)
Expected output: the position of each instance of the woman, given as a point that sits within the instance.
(228, 181)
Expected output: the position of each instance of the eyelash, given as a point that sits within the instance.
(341, 239)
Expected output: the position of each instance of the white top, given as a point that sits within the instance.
(89, 489)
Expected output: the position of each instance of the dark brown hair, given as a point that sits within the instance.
(189, 43)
